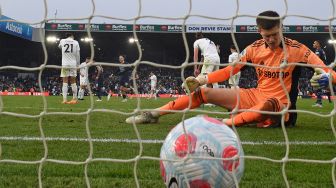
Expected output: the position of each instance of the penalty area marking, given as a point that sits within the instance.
(113, 140)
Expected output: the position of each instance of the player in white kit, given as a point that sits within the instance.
(84, 77)
(70, 61)
(209, 52)
(153, 84)
(234, 56)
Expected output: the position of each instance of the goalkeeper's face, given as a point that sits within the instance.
(271, 36)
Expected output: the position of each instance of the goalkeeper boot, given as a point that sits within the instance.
(143, 118)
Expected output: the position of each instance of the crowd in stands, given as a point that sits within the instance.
(169, 80)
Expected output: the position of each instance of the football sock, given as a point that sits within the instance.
(65, 91)
(81, 93)
(197, 98)
(74, 90)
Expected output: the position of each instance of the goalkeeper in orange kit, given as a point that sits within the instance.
(275, 59)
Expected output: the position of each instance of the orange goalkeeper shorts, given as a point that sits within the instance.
(252, 97)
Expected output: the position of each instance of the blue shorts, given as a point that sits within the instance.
(123, 81)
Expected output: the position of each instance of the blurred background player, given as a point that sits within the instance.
(321, 54)
(153, 84)
(233, 57)
(99, 79)
(70, 61)
(83, 77)
(218, 48)
(210, 53)
(110, 92)
(124, 77)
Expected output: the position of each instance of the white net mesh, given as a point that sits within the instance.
(140, 154)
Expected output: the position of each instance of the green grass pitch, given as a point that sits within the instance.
(19, 141)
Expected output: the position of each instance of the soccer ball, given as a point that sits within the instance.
(208, 154)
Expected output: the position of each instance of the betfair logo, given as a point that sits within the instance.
(272, 74)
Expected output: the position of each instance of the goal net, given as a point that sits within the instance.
(48, 144)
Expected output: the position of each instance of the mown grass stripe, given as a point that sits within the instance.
(154, 141)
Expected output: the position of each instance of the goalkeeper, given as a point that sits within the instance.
(269, 95)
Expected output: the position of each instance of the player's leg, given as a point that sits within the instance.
(64, 76)
(152, 92)
(100, 85)
(219, 96)
(215, 67)
(98, 92)
(79, 96)
(155, 92)
(207, 68)
(81, 91)
(254, 100)
(318, 103)
(109, 95)
(231, 82)
(74, 89)
(236, 79)
(82, 85)
(124, 90)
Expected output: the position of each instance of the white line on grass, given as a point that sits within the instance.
(110, 140)
(41, 108)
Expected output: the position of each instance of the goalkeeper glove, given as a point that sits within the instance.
(320, 79)
(193, 83)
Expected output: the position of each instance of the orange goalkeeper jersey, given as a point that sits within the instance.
(269, 83)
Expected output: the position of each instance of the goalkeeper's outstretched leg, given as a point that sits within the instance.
(197, 98)
(226, 98)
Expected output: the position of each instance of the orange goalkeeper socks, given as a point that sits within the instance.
(197, 98)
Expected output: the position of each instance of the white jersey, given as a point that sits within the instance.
(84, 70)
(153, 80)
(70, 52)
(233, 57)
(207, 47)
